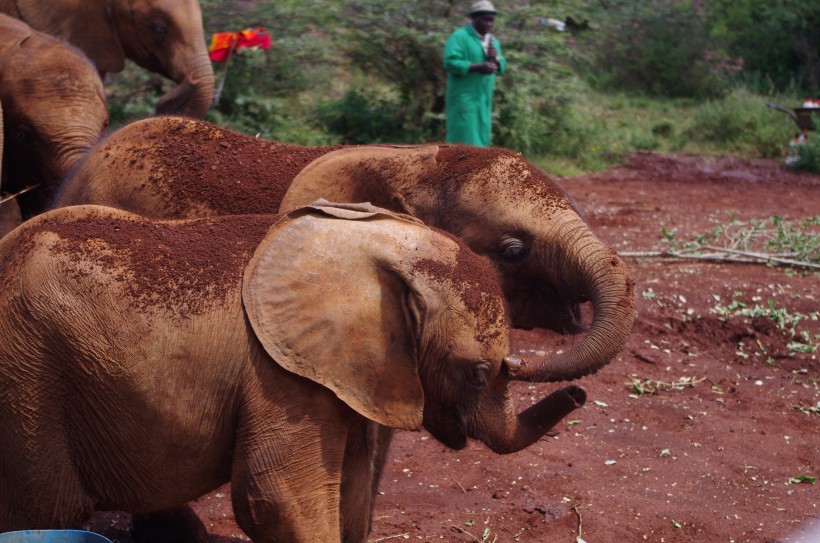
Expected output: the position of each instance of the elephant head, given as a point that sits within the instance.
(162, 36)
(410, 330)
(54, 110)
(506, 209)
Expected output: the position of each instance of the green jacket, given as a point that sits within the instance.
(469, 96)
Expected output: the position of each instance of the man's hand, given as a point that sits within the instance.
(488, 67)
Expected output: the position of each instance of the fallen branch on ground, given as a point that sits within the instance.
(720, 254)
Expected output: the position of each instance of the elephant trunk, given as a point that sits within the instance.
(193, 95)
(605, 279)
(505, 432)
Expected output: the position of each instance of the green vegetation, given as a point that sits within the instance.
(643, 387)
(673, 76)
(801, 341)
(774, 239)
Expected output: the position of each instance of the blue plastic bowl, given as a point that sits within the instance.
(52, 536)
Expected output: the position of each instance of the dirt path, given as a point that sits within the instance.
(692, 434)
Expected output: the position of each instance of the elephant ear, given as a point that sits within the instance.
(324, 297)
(86, 24)
(379, 174)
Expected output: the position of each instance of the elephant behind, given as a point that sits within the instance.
(9, 210)
(162, 36)
(54, 110)
(493, 200)
(144, 363)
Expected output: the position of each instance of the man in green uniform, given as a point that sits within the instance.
(472, 58)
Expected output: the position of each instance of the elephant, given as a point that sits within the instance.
(162, 36)
(54, 110)
(145, 362)
(9, 210)
(493, 199)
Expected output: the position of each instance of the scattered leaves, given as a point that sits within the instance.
(809, 409)
(651, 386)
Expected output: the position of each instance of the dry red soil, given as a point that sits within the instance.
(692, 434)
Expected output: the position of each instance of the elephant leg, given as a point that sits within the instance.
(286, 479)
(178, 525)
(358, 483)
(384, 436)
(299, 506)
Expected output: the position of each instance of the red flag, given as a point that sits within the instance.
(223, 44)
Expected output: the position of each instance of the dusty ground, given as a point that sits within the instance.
(702, 448)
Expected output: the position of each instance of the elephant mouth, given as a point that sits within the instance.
(561, 317)
(451, 429)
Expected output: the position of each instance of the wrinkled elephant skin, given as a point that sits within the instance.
(495, 201)
(145, 363)
(54, 110)
(162, 36)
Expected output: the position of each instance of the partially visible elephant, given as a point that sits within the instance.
(144, 363)
(494, 200)
(54, 110)
(10, 217)
(9, 210)
(163, 36)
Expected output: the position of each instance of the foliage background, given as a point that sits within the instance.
(671, 75)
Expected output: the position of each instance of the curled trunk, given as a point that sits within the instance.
(504, 431)
(193, 95)
(602, 276)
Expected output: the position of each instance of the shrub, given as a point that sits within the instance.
(808, 155)
(778, 41)
(361, 116)
(660, 48)
(742, 122)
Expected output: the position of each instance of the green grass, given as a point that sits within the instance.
(606, 127)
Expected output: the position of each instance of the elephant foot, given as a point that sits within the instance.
(178, 525)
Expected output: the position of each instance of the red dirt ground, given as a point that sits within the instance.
(708, 457)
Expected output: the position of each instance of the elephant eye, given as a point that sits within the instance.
(513, 250)
(160, 30)
(23, 133)
(476, 376)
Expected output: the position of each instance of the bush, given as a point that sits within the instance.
(742, 122)
(361, 116)
(660, 48)
(808, 155)
(778, 41)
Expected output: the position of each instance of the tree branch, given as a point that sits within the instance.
(722, 254)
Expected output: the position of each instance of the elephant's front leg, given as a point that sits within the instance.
(287, 474)
(358, 479)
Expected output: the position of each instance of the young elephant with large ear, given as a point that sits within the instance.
(163, 36)
(146, 363)
(54, 110)
(494, 200)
